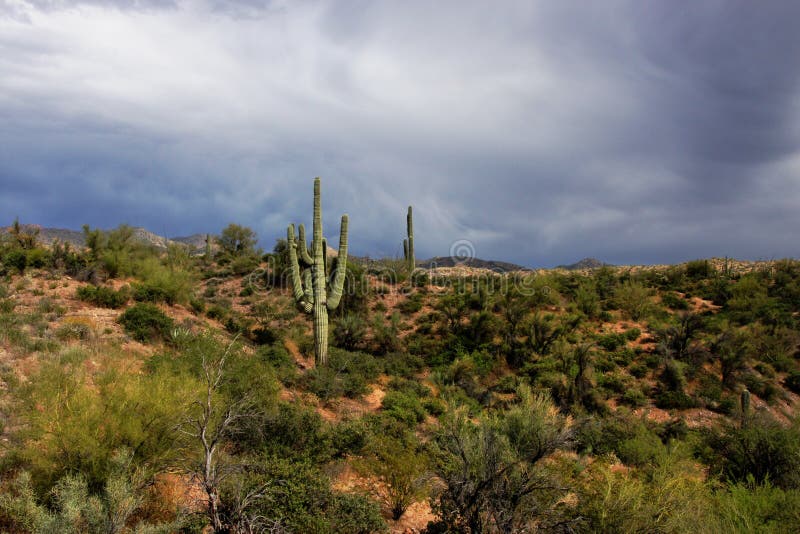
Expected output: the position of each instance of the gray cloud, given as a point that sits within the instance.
(543, 132)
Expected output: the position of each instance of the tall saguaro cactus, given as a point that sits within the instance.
(310, 284)
(408, 242)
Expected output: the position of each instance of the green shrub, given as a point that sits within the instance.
(304, 501)
(295, 431)
(634, 397)
(632, 334)
(639, 370)
(403, 407)
(675, 400)
(412, 387)
(105, 297)
(347, 373)
(95, 416)
(761, 448)
(633, 299)
(792, 382)
(402, 364)
(614, 382)
(146, 322)
(37, 258)
(673, 301)
(643, 449)
(752, 507)
(611, 342)
(699, 269)
(162, 283)
(412, 304)
(16, 259)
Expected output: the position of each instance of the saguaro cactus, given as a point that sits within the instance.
(408, 243)
(309, 284)
(744, 401)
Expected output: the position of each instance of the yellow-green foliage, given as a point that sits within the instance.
(75, 419)
(669, 497)
(163, 283)
(633, 299)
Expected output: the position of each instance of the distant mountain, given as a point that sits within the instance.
(48, 236)
(476, 263)
(195, 242)
(585, 263)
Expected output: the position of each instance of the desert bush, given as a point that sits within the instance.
(237, 241)
(146, 322)
(673, 301)
(491, 470)
(103, 296)
(76, 509)
(671, 497)
(700, 270)
(349, 331)
(402, 364)
(412, 304)
(633, 299)
(161, 283)
(404, 407)
(634, 397)
(792, 382)
(124, 410)
(305, 502)
(586, 298)
(611, 342)
(762, 448)
(75, 328)
(347, 373)
(752, 507)
(401, 466)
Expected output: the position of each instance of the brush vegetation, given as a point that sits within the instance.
(158, 391)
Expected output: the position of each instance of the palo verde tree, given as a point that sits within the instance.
(310, 286)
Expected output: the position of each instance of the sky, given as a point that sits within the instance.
(534, 132)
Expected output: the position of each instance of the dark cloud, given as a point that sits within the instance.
(542, 132)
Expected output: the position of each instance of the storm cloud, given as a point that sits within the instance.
(542, 132)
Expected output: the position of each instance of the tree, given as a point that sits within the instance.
(401, 467)
(213, 419)
(491, 469)
(732, 347)
(633, 299)
(237, 241)
(25, 239)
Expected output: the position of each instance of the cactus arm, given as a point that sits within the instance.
(297, 284)
(307, 282)
(325, 256)
(305, 257)
(341, 267)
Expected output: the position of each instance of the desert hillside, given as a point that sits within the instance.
(148, 383)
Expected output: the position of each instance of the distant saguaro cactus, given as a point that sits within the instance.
(744, 400)
(207, 254)
(408, 242)
(309, 284)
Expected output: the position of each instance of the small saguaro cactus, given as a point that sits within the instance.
(744, 400)
(408, 243)
(310, 284)
(207, 254)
